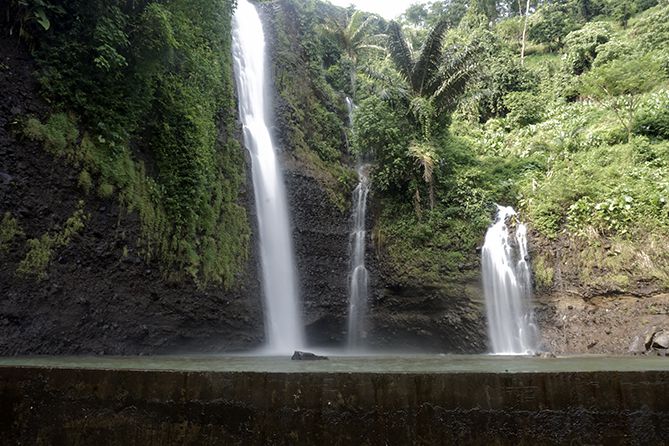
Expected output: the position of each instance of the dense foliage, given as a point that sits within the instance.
(147, 115)
(313, 61)
(560, 109)
(574, 136)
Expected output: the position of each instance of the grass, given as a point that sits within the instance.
(41, 250)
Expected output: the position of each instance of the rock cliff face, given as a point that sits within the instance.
(100, 295)
(320, 233)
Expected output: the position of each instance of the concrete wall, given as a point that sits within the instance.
(81, 407)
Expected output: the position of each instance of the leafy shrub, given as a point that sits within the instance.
(651, 30)
(611, 50)
(503, 75)
(581, 46)
(652, 116)
(382, 132)
(524, 108)
(550, 25)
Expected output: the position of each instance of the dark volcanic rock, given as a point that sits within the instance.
(320, 234)
(306, 356)
(94, 298)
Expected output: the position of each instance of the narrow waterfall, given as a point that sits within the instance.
(283, 325)
(358, 277)
(357, 305)
(507, 287)
(350, 106)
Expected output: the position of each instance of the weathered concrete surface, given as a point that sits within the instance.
(132, 407)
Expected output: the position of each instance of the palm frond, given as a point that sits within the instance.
(399, 50)
(455, 73)
(426, 157)
(373, 47)
(427, 63)
(388, 86)
(358, 33)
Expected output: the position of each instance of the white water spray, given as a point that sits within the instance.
(507, 287)
(283, 325)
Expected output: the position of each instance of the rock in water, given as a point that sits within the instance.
(661, 339)
(306, 356)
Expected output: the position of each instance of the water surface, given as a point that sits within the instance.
(349, 364)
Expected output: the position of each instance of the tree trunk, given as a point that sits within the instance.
(522, 49)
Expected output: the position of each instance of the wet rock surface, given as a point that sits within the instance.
(320, 235)
(100, 296)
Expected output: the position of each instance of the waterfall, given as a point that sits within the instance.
(283, 325)
(350, 106)
(357, 306)
(358, 277)
(507, 287)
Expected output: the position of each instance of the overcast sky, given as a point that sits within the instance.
(388, 9)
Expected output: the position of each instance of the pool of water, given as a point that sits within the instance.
(349, 364)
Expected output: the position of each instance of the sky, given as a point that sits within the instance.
(388, 9)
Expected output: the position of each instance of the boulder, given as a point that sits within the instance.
(306, 356)
(637, 346)
(661, 340)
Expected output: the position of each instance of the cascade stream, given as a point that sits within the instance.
(358, 276)
(357, 308)
(283, 325)
(507, 287)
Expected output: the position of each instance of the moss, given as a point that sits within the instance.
(58, 134)
(41, 250)
(159, 90)
(105, 190)
(33, 129)
(9, 229)
(543, 273)
(311, 114)
(85, 181)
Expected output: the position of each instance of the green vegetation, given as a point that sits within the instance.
(561, 111)
(315, 52)
(9, 229)
(149, 117)
(574, 136)
(41, 250)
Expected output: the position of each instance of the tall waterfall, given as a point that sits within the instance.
(283, 325)
(358, 277)
(507, 287)
(357, 305)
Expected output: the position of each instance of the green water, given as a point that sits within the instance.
(350, 364)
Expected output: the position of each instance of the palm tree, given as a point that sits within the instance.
(436, 78)
(435, 73)
(354, 37)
